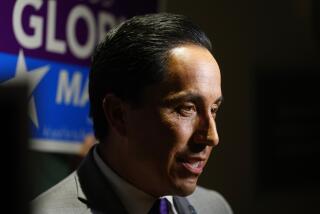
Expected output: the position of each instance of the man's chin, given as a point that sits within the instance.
(185, 188)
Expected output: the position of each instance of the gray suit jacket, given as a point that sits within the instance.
(87, 191)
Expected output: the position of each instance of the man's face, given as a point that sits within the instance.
(170, 138)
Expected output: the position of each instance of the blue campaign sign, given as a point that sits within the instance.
(49, 44)
(58, 100)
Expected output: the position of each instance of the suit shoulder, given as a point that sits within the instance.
(61, 198)
(209, 201)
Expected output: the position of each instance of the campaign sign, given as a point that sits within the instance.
(48, 43)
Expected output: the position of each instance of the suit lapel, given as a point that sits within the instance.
(183, 206)
(94, 189)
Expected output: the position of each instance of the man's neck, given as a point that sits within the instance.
(115, 153)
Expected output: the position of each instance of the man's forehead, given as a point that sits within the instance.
(187, 52)
(189, 61)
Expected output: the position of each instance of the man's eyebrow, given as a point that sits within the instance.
(188, 96)
(182, 96)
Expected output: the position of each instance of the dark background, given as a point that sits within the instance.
(16, 183)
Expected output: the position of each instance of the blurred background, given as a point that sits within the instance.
(269, 55)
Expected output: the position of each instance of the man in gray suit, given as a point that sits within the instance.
(155, 89)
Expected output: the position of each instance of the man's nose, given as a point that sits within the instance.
(206, 131)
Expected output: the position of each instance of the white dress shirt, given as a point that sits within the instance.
(134, 200)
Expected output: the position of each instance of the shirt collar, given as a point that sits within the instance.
(134, 200)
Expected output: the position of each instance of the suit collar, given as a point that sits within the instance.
(94, 190)
(183, 206)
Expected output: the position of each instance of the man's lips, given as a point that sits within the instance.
(193, 165)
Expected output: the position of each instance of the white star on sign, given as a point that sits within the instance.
(33, 78)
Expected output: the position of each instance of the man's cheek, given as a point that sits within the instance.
(183, 132)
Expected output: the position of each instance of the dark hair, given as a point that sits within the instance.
(133, 55)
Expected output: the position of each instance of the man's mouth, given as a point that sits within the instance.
(193, 165)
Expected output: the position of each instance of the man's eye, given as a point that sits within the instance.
(186, 110)
(214, 112)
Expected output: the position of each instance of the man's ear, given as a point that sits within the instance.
(114, 111)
